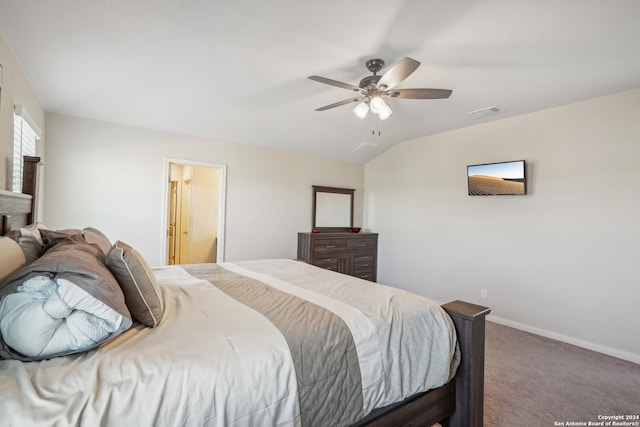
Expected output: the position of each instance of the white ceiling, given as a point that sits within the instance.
(236, 71)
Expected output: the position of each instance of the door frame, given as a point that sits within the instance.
(222, 197)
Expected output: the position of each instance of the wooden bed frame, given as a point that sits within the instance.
(456, 404)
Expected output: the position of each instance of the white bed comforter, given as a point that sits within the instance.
(216, 362)
(52, 316)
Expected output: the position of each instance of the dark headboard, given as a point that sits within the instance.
(16, 209)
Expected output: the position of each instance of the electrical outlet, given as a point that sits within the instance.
(483, 294)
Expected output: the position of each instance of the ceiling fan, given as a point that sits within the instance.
(372, 89)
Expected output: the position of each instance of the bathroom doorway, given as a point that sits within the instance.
(195, 208)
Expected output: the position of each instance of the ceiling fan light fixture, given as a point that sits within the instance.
(370, 93)
(361, 110)
(385, 113)
(377, 104)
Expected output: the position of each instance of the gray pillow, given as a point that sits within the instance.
(97, 237)
(141, 291)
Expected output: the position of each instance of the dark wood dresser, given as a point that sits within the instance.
(355, 254)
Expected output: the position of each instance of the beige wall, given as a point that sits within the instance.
(561, 261)
(113, 177)
(15, 90)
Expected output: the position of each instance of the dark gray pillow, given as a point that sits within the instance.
(141, 291)
(51, 238)
(90, 235)
(30, 240)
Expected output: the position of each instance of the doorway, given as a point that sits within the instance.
(195, 208)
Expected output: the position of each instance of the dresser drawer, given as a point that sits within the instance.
(366, 274)
(327, 263)
(361, 245)
(325, 247)
(363, 262)
(364, 266)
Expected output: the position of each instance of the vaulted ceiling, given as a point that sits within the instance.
(236, 71)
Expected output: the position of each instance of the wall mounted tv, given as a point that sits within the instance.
(497, 179)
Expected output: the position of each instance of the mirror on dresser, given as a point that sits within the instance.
(332, 209)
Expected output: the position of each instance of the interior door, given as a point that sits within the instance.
(184, 256)
(173, 215)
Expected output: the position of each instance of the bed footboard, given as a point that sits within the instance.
(458, 403)
(469, 381)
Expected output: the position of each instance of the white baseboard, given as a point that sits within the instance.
(620, 354)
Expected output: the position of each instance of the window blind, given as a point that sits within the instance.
(24, 144)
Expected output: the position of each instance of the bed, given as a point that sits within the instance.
(264, 342)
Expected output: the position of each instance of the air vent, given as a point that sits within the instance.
(365, 148)
(485, 112)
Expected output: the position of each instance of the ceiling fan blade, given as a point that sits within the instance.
(334, 83)
(338, 104)
(420, 93)
(397, 73)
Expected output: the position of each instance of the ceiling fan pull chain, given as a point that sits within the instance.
(373, 124)
(376, 125)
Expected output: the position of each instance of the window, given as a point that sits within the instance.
(25, 136)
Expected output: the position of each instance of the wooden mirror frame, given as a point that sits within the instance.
(320, 189)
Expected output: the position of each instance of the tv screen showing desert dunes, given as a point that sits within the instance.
(497, 179)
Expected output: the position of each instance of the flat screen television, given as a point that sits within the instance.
(497, 179)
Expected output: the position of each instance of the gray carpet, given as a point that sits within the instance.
(535, 381)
